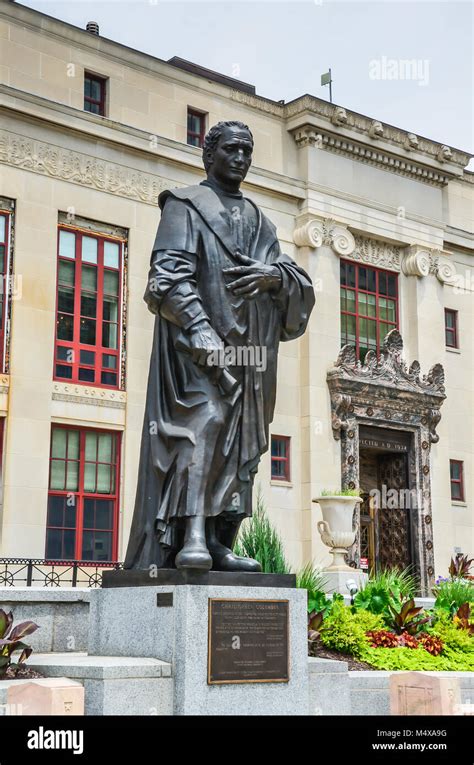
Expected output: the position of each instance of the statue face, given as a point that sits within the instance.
(232, 157)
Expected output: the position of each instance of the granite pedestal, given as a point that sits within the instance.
(170, 622)
(336, 581)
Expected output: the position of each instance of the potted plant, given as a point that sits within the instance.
(336, 527)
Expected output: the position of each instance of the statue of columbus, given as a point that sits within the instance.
(224, 296)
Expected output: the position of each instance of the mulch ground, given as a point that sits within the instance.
(319, 652)
(22, 673)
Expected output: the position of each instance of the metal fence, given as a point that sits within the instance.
(36, 572)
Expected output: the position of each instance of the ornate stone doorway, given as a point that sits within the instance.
(394, 406)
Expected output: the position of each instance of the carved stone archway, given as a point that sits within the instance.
(384, 392)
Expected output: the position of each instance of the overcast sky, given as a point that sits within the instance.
(282, 47)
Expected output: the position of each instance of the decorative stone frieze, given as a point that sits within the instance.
(75, 167)
(376, 253)
(84, 394)
(314, 232)
(414, 260)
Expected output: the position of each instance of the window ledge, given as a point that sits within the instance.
(452, 350)
(458, 503)
(286, 484)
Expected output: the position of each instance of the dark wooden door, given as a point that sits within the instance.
(394, 547)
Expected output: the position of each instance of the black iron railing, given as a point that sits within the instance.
(36, 572)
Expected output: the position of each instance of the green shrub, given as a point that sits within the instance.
(258, 539)
(368, 621)
(450, 594)
(385, 589)
(342, 631)
(416, 659)
(311, 579)
(454, 638)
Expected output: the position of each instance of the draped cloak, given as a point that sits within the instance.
(201, 443)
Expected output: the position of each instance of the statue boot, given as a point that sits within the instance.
(194, 553)
(219, 534)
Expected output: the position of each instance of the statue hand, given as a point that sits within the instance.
(203, 341)
(253, 278)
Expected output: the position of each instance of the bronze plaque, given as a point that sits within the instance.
(248, 641)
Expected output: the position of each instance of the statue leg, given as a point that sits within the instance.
(220, 533)
(194, 553)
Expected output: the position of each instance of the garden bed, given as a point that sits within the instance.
(385, 630)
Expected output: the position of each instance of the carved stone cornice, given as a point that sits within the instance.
(421, 261)
(396, 390)
(75, 167)
(83, 394)
(378, 156)
(338, 115)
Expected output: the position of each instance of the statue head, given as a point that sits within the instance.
(227, 153)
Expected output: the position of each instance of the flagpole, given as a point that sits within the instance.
(330, 85)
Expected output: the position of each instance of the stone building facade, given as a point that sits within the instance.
(382, 220)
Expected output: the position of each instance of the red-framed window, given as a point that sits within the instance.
(4, 291)
(88, 322)
(456, 468)
(451, 328)
(82, 521)
(280, 458)
(196, 128)
(369, 306)
(94, 93)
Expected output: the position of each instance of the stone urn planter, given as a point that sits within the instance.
(336, 527)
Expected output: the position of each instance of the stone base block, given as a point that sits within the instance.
(328, 687)
(114, 685)
(61, 612)
(336, 581)
(48, 696)
(171, 623)
(423, 693)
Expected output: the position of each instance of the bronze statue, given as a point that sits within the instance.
(224, 296)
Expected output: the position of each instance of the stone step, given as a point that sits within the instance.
(113, 685)
(78, 664)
